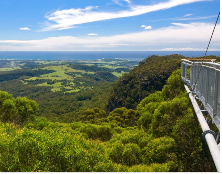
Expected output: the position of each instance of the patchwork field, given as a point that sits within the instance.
(71, 76)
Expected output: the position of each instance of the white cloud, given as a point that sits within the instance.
(118, 44)
(92, 34)
(25, 28)
(187, 15)
(175, 37)
(196, 18)
(184, 18)
(65, 19)
(128, 1)
(117, 2)
(146, 27)
(189, 49)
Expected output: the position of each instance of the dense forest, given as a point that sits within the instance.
(157, 132)
(149, 76)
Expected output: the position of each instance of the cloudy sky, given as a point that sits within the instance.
(108, 25)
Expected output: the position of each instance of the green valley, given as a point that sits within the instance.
(79, 117)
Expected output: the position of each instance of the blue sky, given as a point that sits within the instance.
(108, 25)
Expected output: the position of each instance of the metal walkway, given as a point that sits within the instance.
(203, 78)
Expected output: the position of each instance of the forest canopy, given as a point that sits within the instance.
(161, 135)
(143, 122)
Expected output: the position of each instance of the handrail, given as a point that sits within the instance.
(204, 80)
(207, 133)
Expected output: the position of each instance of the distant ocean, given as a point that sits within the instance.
(94, 55)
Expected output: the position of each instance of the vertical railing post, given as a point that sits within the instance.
(186, 71)
(182, 69)
(207, 86)
(215, 94)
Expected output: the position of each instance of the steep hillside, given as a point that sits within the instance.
(149, 76)
(162, 135)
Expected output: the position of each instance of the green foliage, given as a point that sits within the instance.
(152, 168)
(77, 88)
(102, 132)
(162, 135)
(165, 116)
(39, 123)
(124, 117)
(17, 111)
(30, 150)
(145, 120)
(59, 148)
(155, 98)
(159, 150)
(26, 109)
(104, 76)
(174, 86)
(149, 76)
(8, 111)
(171, 115)
(11, 75)
(131, 154)
(57, 106)
(120, 116)
(92, 115)
(116, 152)
(189, 150)
(3, 96)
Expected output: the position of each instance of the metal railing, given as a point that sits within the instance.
(204, 80)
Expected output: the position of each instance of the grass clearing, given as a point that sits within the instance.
(73, 90)
(60, 73)
(55, 85)
(55, 89)
(10, 69)
(65, 72)
(25, 83)
(118, 74)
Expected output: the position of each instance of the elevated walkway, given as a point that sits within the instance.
(202, 82)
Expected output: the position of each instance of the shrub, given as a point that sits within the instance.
(104, 133)
(131, 154)
(116, 152)
(151, 168)
(158, 150)
(17, 111)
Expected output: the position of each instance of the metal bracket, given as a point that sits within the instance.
(204, 111)
(188, 93)
(208, 132)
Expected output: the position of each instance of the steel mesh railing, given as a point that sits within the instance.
(204, 79)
